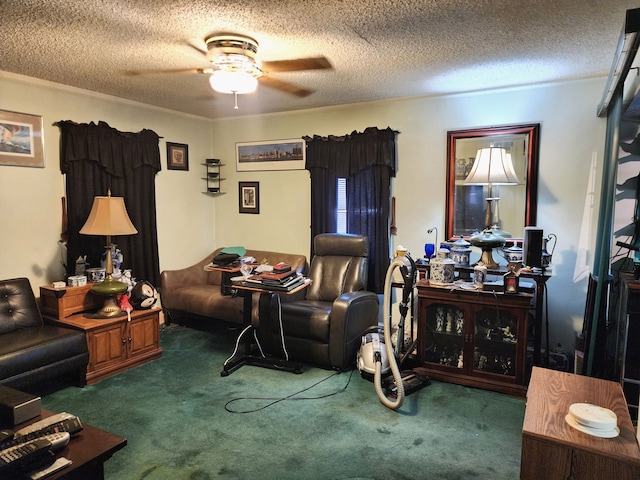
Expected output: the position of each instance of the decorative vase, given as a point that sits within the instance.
(442, 270)
(546, 255)
(513, 254)
(460, 252)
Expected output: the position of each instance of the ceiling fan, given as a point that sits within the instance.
(235, 70)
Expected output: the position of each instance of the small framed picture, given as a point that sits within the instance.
(177, 156)
(249, 197)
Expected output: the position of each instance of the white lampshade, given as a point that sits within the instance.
(233, 82)
(492, 166)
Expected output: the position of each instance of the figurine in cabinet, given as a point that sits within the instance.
(459, 322)
(440, 319)
(508, 367)
(482, 363)
(507, 335)
(460, 362)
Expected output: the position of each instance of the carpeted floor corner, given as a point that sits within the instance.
(183, 420)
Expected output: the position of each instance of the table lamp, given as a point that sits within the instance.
(492, 166)
(108, 217)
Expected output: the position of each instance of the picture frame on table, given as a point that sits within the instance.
(177, 156)
(249, 197)
(21, 139)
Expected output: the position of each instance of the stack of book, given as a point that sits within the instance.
(281, 279)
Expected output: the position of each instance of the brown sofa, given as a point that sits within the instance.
(195, 292)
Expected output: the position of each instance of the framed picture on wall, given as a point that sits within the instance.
(21, 139)
(177, 156)
(270, 155)
(249, 197)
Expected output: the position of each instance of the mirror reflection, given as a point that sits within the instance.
(492, 180)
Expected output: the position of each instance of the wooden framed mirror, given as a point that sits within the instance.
(516, 205)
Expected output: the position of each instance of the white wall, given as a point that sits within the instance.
(30, 198)
(191, 225)
(571, 138)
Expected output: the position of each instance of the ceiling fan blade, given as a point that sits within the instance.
(202, 51)
(176, 70)
(283, 86)
(297, 64)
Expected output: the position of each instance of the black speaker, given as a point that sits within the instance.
(532, 255)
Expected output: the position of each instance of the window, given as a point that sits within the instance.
(341, 205)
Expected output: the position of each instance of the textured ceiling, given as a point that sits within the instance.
(379, 48)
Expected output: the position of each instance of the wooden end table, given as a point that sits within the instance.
(116, 344)
(554, 450)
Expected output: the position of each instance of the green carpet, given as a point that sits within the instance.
(172, 412)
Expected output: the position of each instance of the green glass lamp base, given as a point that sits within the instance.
(109, 289)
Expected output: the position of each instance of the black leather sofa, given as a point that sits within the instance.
(30, 351)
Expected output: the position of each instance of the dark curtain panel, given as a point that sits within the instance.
(98, 158)
(368, 161)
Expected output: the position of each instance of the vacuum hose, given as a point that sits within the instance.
(393, 364)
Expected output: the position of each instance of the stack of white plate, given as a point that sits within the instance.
(593, 420)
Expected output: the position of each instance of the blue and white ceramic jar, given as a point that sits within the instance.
(460, 252)
(442, 270)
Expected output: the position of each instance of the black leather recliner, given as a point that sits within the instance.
(323, 324)
(30, 351)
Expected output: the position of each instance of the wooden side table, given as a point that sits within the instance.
(115, 344)
(553, 450)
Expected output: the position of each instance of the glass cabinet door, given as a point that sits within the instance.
(495, 342)
(444, 343)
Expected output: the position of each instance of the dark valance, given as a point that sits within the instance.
(348, 154)
(118, 153)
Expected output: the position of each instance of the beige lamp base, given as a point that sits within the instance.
(487, 260)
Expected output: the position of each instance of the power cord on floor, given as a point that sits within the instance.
(275, 400)
(235, 350)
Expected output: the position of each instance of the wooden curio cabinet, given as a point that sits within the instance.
(474, 338)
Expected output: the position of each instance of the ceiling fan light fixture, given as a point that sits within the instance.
(233, 82)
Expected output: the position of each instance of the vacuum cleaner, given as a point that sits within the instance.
(377, 356)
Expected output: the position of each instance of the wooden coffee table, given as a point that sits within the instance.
(88, 450)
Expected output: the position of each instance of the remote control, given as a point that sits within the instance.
(45, 422)
(24, 454)
(69, 425)
(58, 440)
